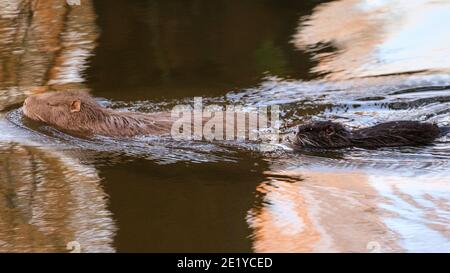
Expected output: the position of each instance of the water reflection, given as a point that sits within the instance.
(166, 49)
(179, 48)
(372, 38)
(351, 211)
(48, 200)
(389, 200)
(183, 207)
(43, 45)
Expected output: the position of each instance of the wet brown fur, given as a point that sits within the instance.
(78, 112)
(332, 135)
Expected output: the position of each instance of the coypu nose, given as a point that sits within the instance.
(24, 108)
(26, 104)
(27, 101)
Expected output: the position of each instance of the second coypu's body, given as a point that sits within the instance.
(332, 135)
(78, 112)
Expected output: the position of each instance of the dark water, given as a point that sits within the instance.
(178, 49)
(357, 62)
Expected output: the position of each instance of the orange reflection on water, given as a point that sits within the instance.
(373, 38)
(284, 221)
(44, 45)
(48, 200)
(319, 212)
(352, 211)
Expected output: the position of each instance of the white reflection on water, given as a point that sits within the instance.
(307, 210)
(378, 37)
(400, 201)
(343, 210)
(48, 199)
(44, 45)
(420, 210)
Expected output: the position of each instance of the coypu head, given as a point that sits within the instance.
(322, 134)
(78, 113)
(70, 110)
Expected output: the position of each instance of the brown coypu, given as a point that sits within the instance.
(79, 113)
(332, 135)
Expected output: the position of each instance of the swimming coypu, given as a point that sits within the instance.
(79, 113)
(332, 135)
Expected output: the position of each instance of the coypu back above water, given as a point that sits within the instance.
(332, 135)
(78, 112)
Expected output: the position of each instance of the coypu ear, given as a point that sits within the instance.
(75, 106)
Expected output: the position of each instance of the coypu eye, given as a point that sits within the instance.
(329, 130)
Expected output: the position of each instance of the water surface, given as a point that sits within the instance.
(356, 62)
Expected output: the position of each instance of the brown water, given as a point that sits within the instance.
(358, 62)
